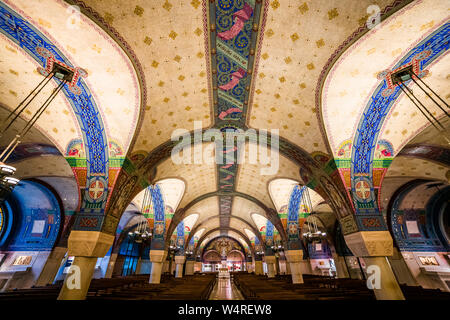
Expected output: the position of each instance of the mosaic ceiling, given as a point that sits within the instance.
(231, 65)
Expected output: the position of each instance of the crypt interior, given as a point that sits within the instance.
(224, 149)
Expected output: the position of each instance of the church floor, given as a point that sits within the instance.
(225, 290)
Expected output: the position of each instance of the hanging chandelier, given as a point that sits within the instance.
(402, 77)
(7, 183)
(277, 246)
(313, 234)
(63, 76)
(141, 234)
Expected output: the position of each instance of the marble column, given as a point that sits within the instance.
(288, 267)
(86, 247)
(374, 247)
(157, 257)
(259, 268)
(270, 261)
(189, 267)
(341, 267)
(179, 262)
(294, 259)
(51, 267)
(111, 264)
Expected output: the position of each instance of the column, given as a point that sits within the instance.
(111, 264)
(374, 247)
(341, 267)
(157, 257)
(179, 262)
(86, 247)
(402, 270)
(288, 266)
(270, 261)
(166, 265)
(294, 258)
(259, 267)
(189, 267)
(277, 265)
(249, 267)
(51, 267)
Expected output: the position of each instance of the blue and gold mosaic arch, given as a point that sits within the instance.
(368, 215)
(18, 30)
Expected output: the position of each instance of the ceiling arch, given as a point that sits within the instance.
(208, 205)
(172, 191)
(395, 37)
(250, 179)
(403, 166)
(200, 178)
(110, 97)
(292, 56)
(236, 223)
(217, 232)
(280, 191)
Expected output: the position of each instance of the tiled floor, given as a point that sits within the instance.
(225, 290)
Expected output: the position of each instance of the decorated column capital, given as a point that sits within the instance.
(180, 259)
(293, 256)
(370, 243)
(158, 255)
(89, 243)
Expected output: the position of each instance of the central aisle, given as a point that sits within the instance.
(225, 290)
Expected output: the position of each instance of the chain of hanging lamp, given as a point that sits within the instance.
(142, 232)
(402, 77)
(313, 234)
(7, 182)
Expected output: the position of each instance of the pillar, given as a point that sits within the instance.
(179, 262)
(189, 271)
(138, 266)
(157, 257)
(277, 265)
(86, 247)
(294, 258)
(288, 266)
(52, 266)
(374, 247)
(270, 261)
(259, 268)
(341, 267)
(401, 269)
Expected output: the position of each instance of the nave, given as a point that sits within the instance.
(149, 149)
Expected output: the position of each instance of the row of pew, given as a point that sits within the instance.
(260, 287)
(196, 287)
